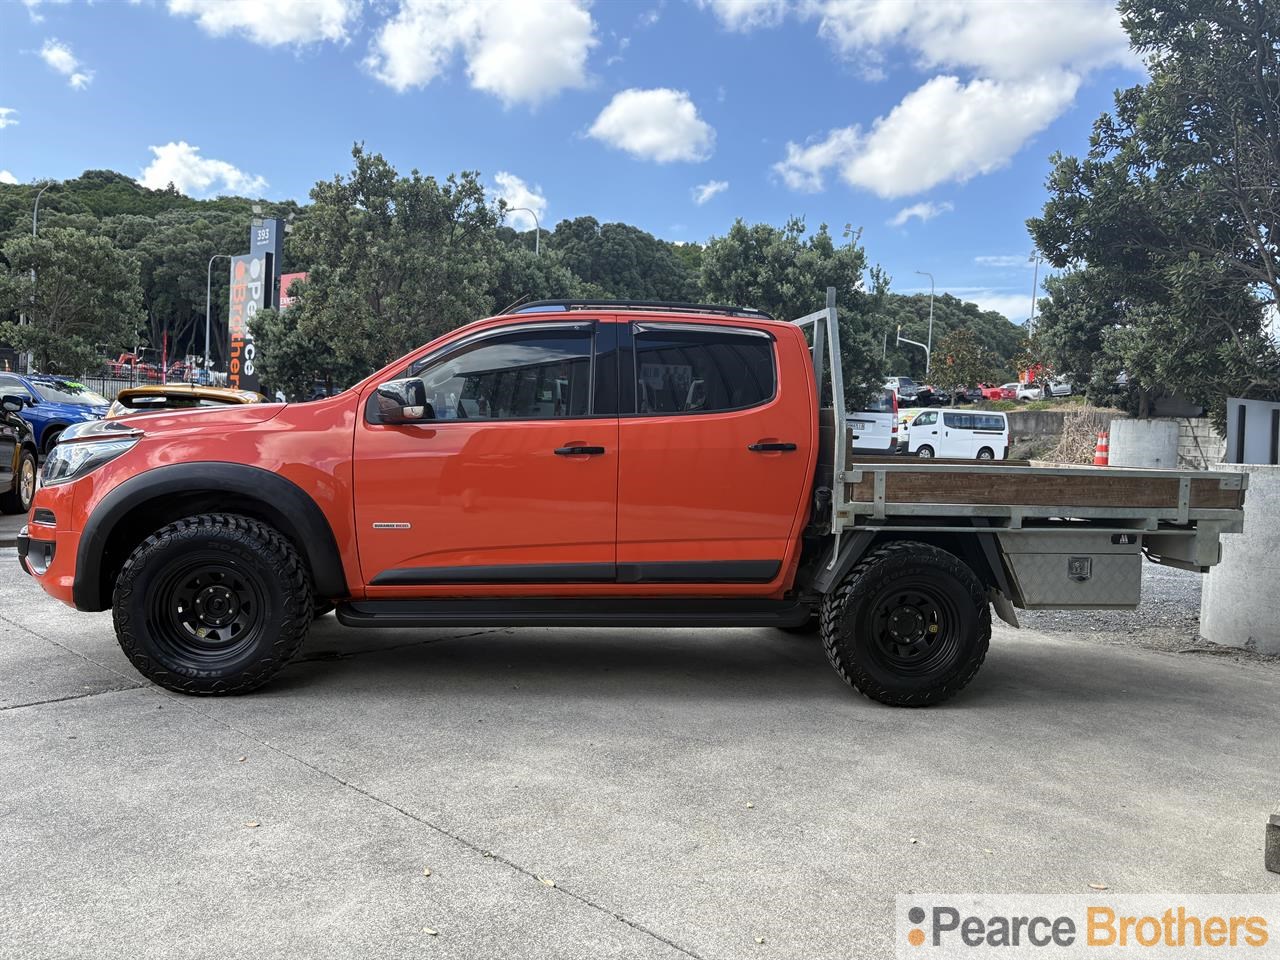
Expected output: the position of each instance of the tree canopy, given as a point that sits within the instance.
(84, 300)
(1171, 221)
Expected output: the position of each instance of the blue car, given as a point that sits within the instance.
(53, 404)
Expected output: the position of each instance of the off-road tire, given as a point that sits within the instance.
(13, 501)
(158, 608)
(860, 653)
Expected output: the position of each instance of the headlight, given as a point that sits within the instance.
(69, 461)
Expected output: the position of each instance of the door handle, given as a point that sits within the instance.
(579, 451)
(770, 447)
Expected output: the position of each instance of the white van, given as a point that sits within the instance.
(959, 434)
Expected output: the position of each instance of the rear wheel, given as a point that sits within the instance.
(18, 500)
(986, 453)
(908, 626)
(925, 452)
(214, 604)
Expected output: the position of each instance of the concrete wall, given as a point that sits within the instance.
(1200, 446)
(1238, 603)
(1045, 424)
(1144, 443)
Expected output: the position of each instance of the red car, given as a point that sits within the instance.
(997, 393)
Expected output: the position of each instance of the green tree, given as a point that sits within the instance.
(85, 299)
(393, 261)
(786, 273)
(993, 331)
(623, 261)
(960, 359)
(1174, 210)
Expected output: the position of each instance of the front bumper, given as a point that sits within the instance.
(35, 556)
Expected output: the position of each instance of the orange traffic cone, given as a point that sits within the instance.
(1102, 452)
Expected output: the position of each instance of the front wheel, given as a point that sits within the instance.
(18, 500)
(925, 452)
(213, 604)
(909, 625)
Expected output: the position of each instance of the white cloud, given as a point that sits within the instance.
(1012, 68)
(747, 14)
(33, 8)
(1004, 260)
(804, 164)
(522, 51)
(517, 193)
(59, 56)
(181, 164)
(1015, 306)
(7, 118)
(1002, 39)
(923, 211)
(7, 177)
(705, 191)
(660, 124)
(273, 24)
(943, 131)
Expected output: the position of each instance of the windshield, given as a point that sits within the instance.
(68, 391)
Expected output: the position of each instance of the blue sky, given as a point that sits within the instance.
(928, 123)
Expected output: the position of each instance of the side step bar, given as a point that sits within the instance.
(586, 612)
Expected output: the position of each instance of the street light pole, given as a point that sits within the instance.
(929, 346)
(208, 290)
(35, 213)
(1035, 286)
(537, 227)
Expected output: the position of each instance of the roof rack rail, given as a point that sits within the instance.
(720, 308)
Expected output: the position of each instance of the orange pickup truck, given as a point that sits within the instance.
(592, 464)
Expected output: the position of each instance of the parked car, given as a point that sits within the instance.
(176, 396)
(18, 453)
(1025, 391)
(874, 428)
(701, 483)
(997, 393)
(1058, 388)
(904, 387)
(53, 404)
(959, 435)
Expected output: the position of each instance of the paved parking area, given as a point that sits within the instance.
(594, 794)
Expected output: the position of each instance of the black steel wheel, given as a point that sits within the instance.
(214, 604)
(909, 625)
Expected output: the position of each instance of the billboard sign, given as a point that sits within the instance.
(249, 286)
(286, 280)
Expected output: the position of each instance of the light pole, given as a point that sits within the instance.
(35, 213)
(537, 228)
(928, 346)
(208, 289)
(1035, 286)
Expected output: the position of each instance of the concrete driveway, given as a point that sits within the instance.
(593, 794)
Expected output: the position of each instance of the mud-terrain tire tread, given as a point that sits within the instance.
(272, 548)
(887, 562)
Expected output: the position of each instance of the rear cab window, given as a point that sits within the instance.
(692, 368)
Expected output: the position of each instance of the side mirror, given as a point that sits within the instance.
(12, 403)
(403, 401)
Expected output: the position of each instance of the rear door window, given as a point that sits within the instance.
(690, 369)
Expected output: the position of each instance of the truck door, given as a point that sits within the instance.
(513, 481)
(717, 455)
